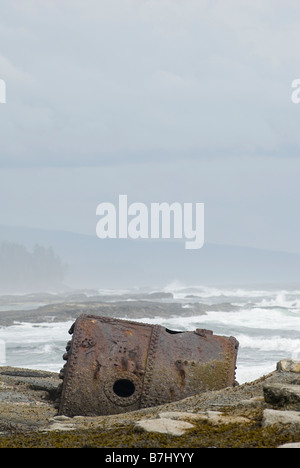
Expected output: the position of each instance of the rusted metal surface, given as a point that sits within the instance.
(114, 366)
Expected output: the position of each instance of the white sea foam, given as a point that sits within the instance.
(283, 299)
(256, 318)
(36, 346)
(275, 343)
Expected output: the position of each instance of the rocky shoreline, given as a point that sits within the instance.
(66, 307)
(260, 414)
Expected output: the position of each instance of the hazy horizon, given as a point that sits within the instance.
(116, 263)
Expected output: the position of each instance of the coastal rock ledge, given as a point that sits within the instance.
(260, 414)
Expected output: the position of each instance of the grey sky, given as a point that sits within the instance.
(164, 100)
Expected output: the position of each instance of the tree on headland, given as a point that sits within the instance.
(24, 271)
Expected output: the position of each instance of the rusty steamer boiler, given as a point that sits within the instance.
(115, 366)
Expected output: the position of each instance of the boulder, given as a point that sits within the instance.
(289, 365)
(283, 395)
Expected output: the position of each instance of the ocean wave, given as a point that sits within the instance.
(25, 332)
(268, 296)
(282, 300)
(275, 343)
(256, 318)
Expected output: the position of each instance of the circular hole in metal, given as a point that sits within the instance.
(124, 388)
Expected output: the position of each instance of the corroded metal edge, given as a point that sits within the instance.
(68, 370)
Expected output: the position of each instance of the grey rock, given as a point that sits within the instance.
(164, 426)
(283, 395)
(276, 417)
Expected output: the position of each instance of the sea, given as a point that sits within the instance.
(264, 319)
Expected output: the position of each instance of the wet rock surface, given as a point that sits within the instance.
(233, 417)
(26, 399)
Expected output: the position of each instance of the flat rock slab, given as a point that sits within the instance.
(276, 417)
(164, 426)
(177, 422)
